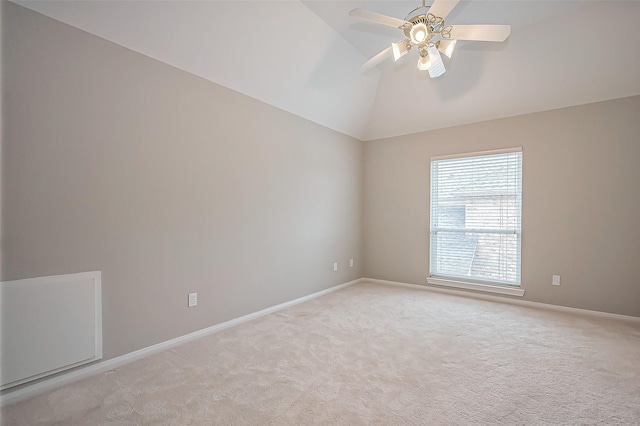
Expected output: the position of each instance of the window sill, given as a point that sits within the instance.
(486, 288)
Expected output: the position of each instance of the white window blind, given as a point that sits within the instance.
(476, 217)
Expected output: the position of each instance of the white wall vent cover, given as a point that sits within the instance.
(49, 324)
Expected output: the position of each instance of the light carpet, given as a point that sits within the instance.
(372, 355)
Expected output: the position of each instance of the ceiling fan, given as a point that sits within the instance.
(424, 27)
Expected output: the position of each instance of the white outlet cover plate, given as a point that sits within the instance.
(193, 299)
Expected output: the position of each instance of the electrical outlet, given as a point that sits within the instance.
(351, 263)
(193, 299)
(556, 280)
(335, 266)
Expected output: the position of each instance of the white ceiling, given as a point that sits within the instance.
(304, 56)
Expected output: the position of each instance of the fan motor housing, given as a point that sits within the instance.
(433, 24)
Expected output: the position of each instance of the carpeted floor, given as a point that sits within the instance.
(372, 355)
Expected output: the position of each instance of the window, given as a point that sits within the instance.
(476, 221)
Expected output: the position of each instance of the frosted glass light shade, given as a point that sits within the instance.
(447, 46)
(419, 33)
(399, 49)
(424, 63)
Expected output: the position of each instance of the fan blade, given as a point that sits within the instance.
(441, 8)
(378, 18)
(377, 59)
(437, 66)
(480, 32)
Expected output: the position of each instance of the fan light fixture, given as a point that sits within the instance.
(446, 47)
(425, 28)
(400, 49)
(424, 62)
(418, 33)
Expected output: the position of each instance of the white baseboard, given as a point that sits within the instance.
(530, 304)
(29, 391)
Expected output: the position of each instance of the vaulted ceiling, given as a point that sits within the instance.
(305, 57)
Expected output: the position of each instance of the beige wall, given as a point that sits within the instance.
(581, 202)
(171, 184)
(166, 183)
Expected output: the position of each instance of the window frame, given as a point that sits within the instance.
(474, 283)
